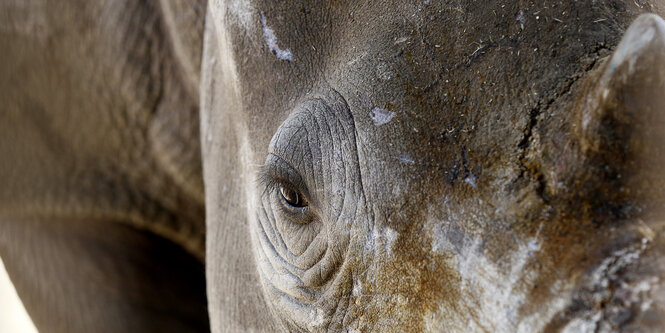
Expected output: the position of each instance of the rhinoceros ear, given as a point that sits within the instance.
(624, 112)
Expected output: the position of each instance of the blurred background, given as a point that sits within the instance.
(13, 318)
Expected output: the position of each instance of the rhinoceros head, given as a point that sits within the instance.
(433, 165)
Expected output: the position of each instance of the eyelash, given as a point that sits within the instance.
(271, 179)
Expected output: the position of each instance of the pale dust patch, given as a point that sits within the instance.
(381, 116)
(493, 292)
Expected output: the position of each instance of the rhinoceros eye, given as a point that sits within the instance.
(292, 197)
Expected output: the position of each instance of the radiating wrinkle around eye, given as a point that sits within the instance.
(301, 248)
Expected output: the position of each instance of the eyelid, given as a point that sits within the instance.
(277, 171)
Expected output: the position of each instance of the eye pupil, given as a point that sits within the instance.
(292, 197)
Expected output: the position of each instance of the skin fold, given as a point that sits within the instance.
(334, 166)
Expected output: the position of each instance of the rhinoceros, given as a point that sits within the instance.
(334, 166)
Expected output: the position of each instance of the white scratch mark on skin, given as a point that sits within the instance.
(520, 18)
(381, 116)
(471, 180)
(401, 40)
(533, 245)
(357, 58)
(391, 236)
(370, 241)
(357, 289)
(271, 41)
(405, 159)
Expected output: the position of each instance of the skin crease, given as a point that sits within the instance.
(484, 166)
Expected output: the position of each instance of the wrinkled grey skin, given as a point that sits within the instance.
(484, 166)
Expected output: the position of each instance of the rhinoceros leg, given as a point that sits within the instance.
(102, 276)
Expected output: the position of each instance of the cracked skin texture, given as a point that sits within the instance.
(516, 186)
